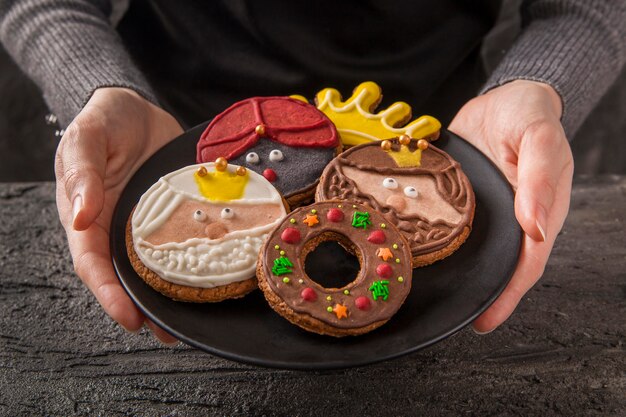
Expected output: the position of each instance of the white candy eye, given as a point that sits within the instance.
(410, 192)
(390, 183)
(276, 155)
(252, 158)
(227, 213)
(199, 216)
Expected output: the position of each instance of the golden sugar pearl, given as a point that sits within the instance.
(241, 171)
(422, 144)
(221, 164)
(202, 171)
(260, 130)
(385, 145)
(404, 139)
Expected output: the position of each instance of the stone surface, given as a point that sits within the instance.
(562, 353)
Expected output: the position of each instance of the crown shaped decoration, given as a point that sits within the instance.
(221, 185)
(404, 157)
(357, 124)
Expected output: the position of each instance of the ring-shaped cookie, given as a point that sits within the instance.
(371, 299)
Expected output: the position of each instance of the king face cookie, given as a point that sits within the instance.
(287, 141)
(195, 235)
(418, 188)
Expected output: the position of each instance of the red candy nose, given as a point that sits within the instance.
(270, 175)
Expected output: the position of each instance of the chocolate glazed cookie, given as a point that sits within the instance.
(418, 188)
(370, 300)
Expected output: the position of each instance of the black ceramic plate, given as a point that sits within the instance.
(444, 297)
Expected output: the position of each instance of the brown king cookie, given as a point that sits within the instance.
(418, 188)
(370, 300)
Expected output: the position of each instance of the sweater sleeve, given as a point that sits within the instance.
(69, 48)
(576, 46)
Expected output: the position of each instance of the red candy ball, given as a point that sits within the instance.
(290, 235)
(384, 270)
(377, 237)
(334, 215)
(362, 303)
(270, 175)
(308, 294)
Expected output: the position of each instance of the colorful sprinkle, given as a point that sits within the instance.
(292, 221)
(290, 235)
(384, 253)
(384, 270)
(400, 279)
(314, 211)
(395, 246)
(362, 303)
(276, 247)
(334, 215)
(329, 297)
(301, 281)
(311, 220)
(339, 205)
(346, 292)
(341, 311)
(329, 309)
(383, 225)
(377, 237)
(308, 294)
(282, 253)
(282, 266)
(397, 260)
(286, 280)
(380, 289)
(361, 219)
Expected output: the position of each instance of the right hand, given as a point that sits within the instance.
(105, 144)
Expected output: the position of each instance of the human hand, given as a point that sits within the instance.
(518, 127)
(107, 142)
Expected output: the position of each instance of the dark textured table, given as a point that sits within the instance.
(561, 353)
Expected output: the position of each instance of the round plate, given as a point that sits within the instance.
(445, 296)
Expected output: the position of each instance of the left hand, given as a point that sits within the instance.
(518, 127)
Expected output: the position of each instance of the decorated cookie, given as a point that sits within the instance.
(287, 141)
(419, 188)
(382, 283)
(195, 235)
(357, 123)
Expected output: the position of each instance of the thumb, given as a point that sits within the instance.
(540, 164)
(80, 167)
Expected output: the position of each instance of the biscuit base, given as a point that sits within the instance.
(185, 293)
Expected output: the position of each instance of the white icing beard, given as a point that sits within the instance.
(200, 262)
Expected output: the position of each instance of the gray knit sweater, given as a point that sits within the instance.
(70, 48)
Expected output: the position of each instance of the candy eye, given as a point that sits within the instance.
(276, 155)
(227, 213)
(390, 183)
(410, 192)
(199, 216)
(252, 158)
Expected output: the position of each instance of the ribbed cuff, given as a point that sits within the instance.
(575, 47)
(70, 50)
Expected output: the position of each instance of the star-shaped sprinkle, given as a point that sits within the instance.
(341, 311)
(311, 220)
(384, 253)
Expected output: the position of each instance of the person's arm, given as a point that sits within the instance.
(70, 50)
(567, 56)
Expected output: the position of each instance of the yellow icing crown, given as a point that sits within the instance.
(221, 185)
(404, 157)
(356, 124)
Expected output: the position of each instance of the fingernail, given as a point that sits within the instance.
(482, 333)
(541, 221)
(77, 206)
(133, 331)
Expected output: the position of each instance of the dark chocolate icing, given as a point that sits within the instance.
(424, 235)
(291, 292)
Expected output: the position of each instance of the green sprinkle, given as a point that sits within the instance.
(395, 246)
(276, 247)
(383, 225)
(282, 266)
(329, 309)
(286, 280)
(397, 260)
(346, 292)
(380, 289)
(292, 221)
(329, 298)
(361, 219)
(313, 211)
(400, 279)
(282, 252)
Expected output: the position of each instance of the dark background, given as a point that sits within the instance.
(27, 143)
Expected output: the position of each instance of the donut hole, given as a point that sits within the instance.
(331, 260)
